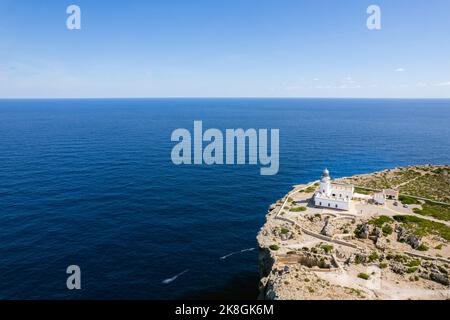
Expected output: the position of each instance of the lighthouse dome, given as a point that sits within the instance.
(325, 175)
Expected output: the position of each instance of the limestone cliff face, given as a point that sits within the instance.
(266, 258)
(266, 261)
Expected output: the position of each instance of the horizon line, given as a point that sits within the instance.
(224, 98)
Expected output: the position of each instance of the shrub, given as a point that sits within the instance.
(387, 230)
(274, 247)
(439, 247)
(414, 263)
(284, 231)
(373, 256)
(443, 270)
(383, 265)
(423, 247)
(364, 276)
(327, 247)
(411, 269)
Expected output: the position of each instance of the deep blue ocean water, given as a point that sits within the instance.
(91, 183)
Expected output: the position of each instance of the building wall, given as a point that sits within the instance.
(331, 203)
(379, 198)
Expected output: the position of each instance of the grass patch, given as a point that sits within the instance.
(298, 209)
(364, 276)
(310, 189)
(408, 200)
(362, 191)
(422, 227)
(383, 265)
(438, 211)
(380, 221)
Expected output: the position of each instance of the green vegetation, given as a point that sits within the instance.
(387, 230)
(439, 246)
(374, 256)
(421, 181)
(380, 221)
(383, 265)
(291, 252)
(364, 276)
(284, 231)
(397, 257)
(408, 200)
(362, 191)
(414, 263)
(298, 209)
(274, 247)
(443, 270)
(327, 247)
(310, 189)
(411, 269)
(432, 185)
(438, 211)
(422, 227)
(423, 247)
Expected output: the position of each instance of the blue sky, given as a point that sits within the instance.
(225, 48)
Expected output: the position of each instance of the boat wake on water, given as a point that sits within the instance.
(236, 252)
(170, 280)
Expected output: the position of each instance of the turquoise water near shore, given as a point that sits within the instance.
(91, 182)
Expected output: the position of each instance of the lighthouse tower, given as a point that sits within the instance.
(325, 183)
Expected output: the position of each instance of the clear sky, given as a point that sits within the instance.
(225, 48)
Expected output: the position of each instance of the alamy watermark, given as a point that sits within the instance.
(73, 21)
(191, 150)
(73, 282)
(374, 19)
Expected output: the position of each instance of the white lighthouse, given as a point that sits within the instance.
(333, 195)
(325, 183)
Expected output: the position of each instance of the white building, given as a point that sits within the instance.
(333, 195)
(381, 197)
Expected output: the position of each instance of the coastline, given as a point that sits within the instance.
(298, 260)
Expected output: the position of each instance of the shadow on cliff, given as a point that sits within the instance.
(242, 287)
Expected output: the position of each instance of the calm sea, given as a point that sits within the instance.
(91, 183)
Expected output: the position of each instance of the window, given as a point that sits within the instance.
(336, 206)
(320, 203)
(329, 204)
